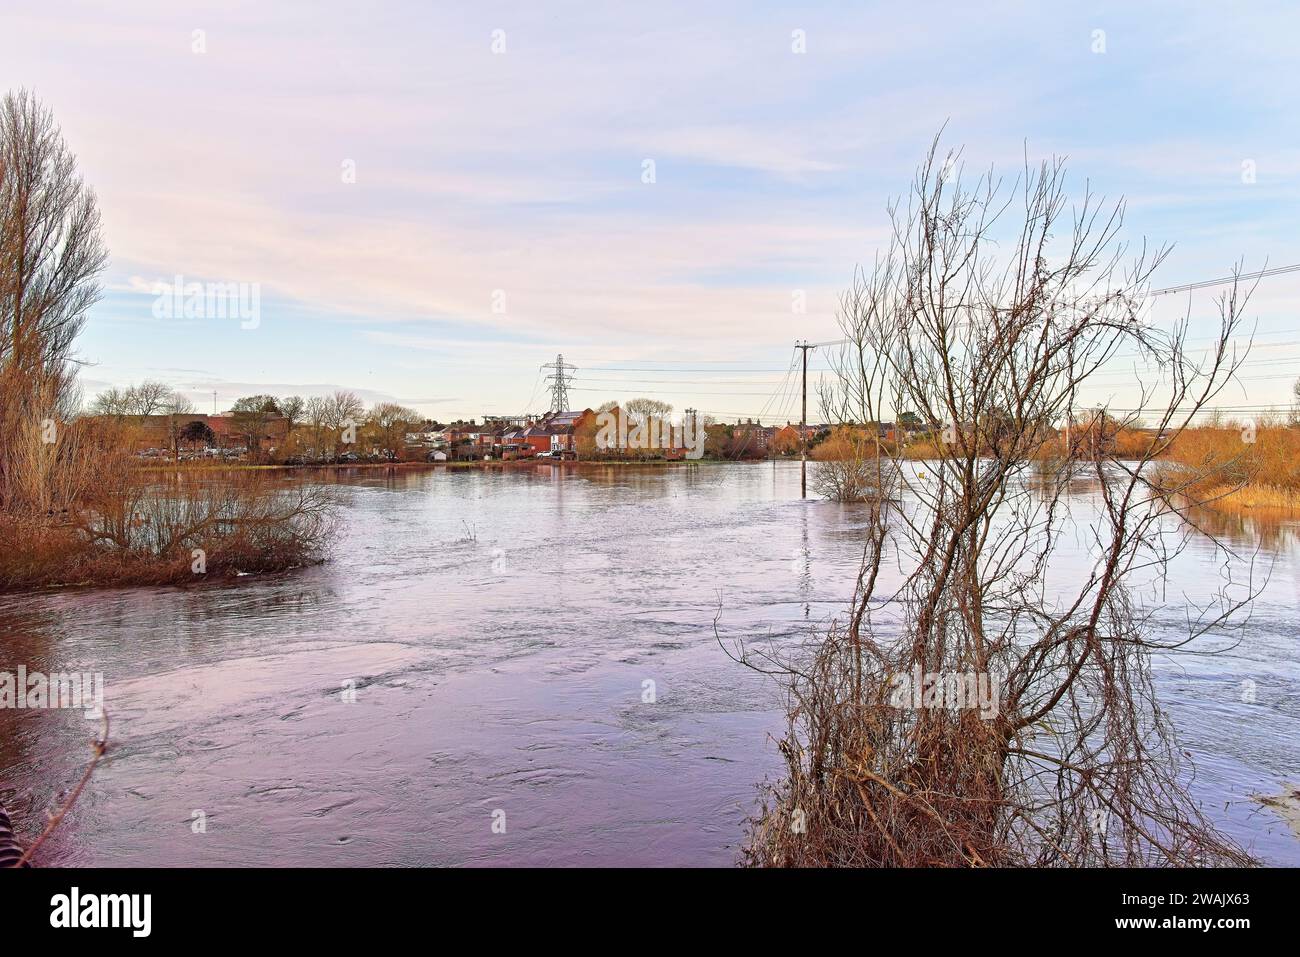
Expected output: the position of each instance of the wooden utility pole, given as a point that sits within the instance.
(803, 423)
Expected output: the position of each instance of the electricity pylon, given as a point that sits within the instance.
(559, 383)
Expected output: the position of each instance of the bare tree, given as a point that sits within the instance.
(113, 402)
(178, 404)
(252, 416)
(390, 421)
(317, 413)
(175, 407)
(845, 468)
(292, 408)
(51, 254)
(987, 316)
(641, 410)
(150, 397)
(51, 251)
(344, 410)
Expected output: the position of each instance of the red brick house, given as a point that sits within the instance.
(553, 432)
(755, 436)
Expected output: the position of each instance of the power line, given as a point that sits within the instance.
(699, 381)
(749, 435)
(1205, 283)
(532, 395)
(666, 392)
(560, 380)
(674, 361)
(668, 371)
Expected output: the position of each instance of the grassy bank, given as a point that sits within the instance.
(218, 467)
(1253, 498)
(1236, 468)
(180, 529)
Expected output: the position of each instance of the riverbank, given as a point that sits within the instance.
(349, 467)
(1236, 469)
(1255, 498)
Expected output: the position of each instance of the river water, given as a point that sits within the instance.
(519, 666)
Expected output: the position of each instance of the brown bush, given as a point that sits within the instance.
(1219, 462)
(846, 466)
(189, 527)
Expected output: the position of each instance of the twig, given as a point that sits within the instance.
(99, 747)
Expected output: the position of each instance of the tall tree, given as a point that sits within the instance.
(344, 410)
(292, 408)
(252, 414)
(176, 407)
(51, 250)
(113, 402)
(317, 413)
(642, 409)
(151, 397)
(390, 422)
(51, 255)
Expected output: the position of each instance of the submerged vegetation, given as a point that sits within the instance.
(74, 508)
(989, 313)
(1241, 465)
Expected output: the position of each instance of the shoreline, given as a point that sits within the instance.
(472, 464)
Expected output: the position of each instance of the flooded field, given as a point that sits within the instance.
(520, 667)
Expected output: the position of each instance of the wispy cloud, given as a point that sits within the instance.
(499, 210)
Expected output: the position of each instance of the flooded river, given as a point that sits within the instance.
(519, 667)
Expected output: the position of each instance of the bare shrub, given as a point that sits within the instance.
(188, 526)
(847, 467)
(988, 314)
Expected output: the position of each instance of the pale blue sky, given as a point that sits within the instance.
(521, 172)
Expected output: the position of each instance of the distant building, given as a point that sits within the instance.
(504, 422)
(163, 432)
(553, 432)
(753, 436)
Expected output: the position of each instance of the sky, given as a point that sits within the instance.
(431, 200)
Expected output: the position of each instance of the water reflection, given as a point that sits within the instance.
(500, 626)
